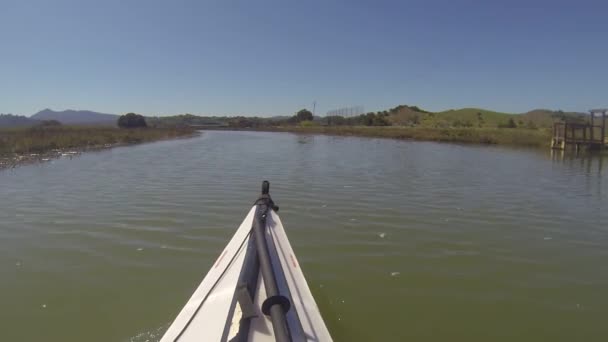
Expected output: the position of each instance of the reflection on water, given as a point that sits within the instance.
(588, 163)
(399, 240)
(591, 161)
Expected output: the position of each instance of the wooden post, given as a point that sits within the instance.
(585, 133)
(573, 134)
(592, 115)
(603, 128)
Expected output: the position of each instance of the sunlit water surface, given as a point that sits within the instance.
(399, 241)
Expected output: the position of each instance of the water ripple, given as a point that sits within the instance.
(451, 234)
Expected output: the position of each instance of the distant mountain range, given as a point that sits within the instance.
(76, 117)
(66, 117)
(10, 120)
(399, 116)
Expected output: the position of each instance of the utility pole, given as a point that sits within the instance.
(314, 107)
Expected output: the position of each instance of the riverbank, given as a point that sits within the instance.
(536, 138)
(35, 144)
(435, 226)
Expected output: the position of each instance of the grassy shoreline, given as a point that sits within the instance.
(33, 144)
(534, 138)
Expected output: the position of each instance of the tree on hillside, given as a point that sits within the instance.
(531, 125)
(335, 120)
(132, 120)
(511, 123)
(416, 109)
(304, 115)
(480, 120)
(374, 119)
(380, 120)
(415, 120)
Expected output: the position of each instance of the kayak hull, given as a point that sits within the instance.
(217, 312)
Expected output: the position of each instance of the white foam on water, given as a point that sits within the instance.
(153, 335)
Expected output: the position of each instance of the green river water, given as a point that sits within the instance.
(399, 240)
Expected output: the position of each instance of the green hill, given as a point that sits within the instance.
(540, 117)
(476, 117)
(405, 115)
(467, 117)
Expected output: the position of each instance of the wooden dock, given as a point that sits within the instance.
(591, 135)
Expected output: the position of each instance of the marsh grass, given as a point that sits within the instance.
(498, 136)
(44, 139)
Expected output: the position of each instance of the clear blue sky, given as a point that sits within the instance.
(275, 57)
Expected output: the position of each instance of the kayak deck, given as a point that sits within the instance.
(221, 309)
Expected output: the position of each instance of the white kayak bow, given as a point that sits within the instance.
(255, 291)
